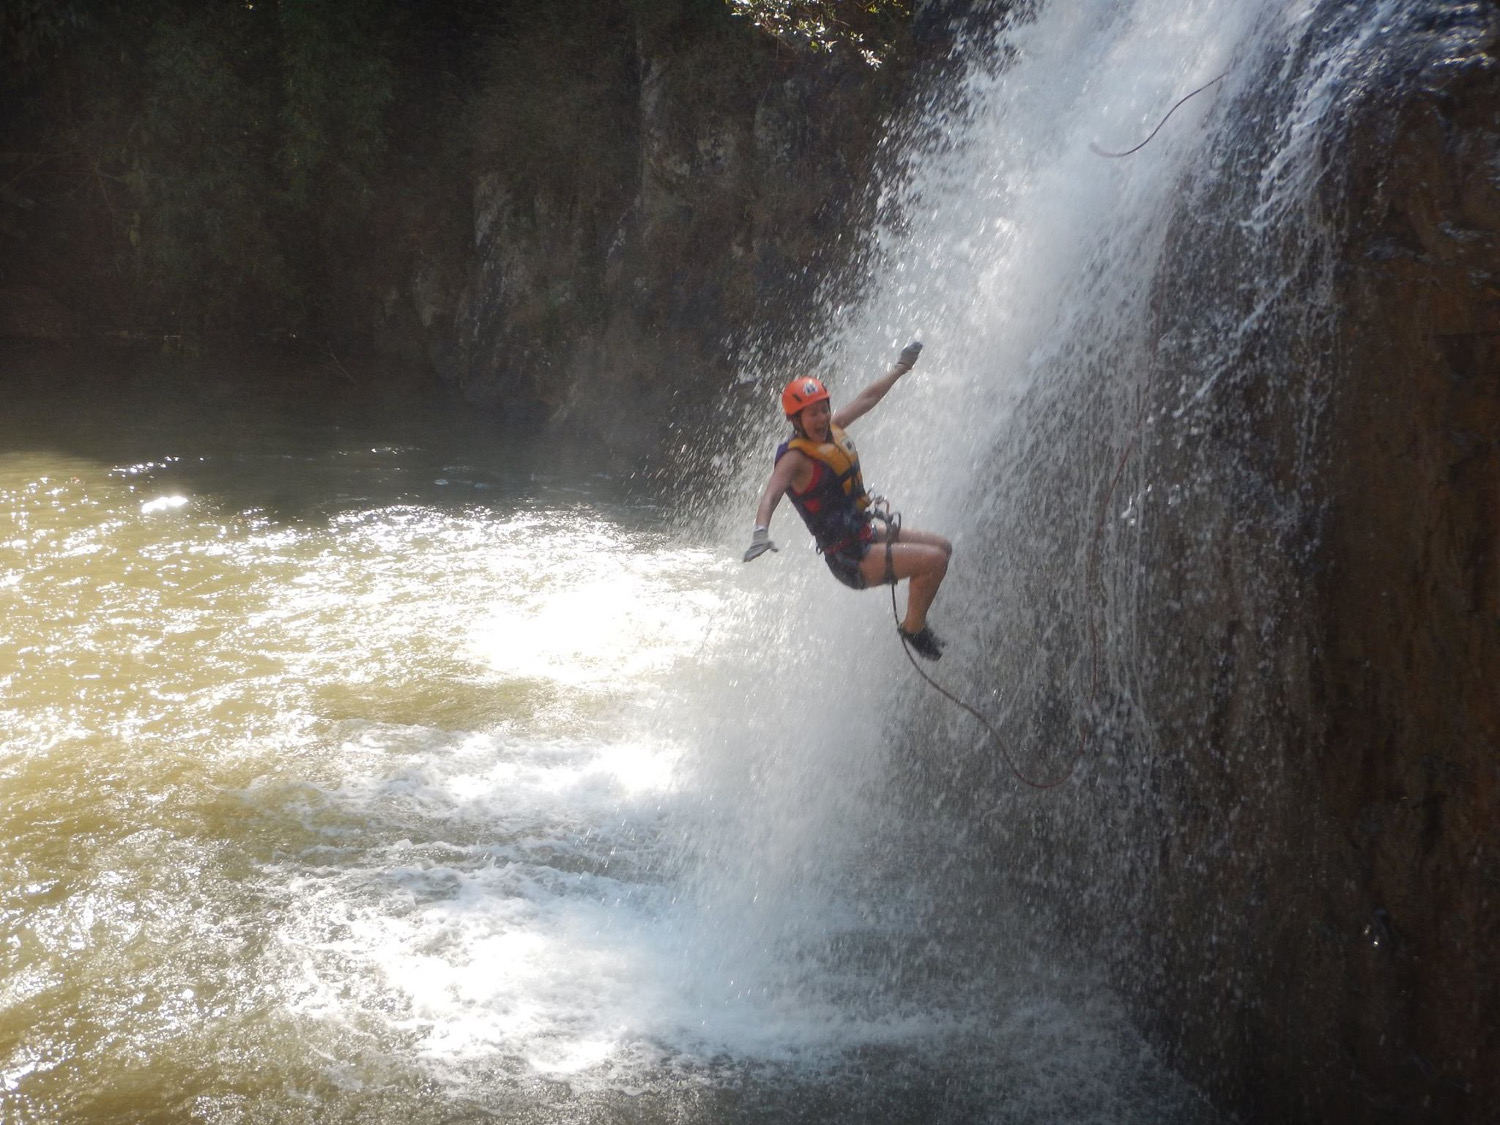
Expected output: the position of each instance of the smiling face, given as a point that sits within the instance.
(815, 420)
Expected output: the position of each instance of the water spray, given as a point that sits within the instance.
(894, 520)
(895, 523)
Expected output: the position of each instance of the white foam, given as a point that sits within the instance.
(164, 504)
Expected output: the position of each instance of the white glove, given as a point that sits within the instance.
(910, 352)
(760, 543)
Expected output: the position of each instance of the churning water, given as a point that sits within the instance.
(373, 771)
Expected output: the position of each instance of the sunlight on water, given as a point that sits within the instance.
(597, 610)
(350, 759)
(328, 788)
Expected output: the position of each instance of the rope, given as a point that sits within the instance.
(894, 525)
(1116, 155)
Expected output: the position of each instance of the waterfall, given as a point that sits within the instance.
(365, 763)
(1118, 421)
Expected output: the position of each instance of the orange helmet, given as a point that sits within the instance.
(802, 393)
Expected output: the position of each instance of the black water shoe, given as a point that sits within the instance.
(924, 643)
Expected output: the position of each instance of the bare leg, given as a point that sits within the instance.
(912, 535)
(925, 562)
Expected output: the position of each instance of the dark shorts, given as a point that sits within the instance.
(845, 564)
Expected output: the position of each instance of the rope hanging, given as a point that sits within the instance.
(894, 525)
(1116, 155)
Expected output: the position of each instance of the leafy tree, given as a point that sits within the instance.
(868, 27)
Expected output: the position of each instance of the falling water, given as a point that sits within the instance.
(1119, 405)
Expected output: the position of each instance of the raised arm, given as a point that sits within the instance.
(863, 402)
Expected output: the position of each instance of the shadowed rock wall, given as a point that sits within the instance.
(1409, 669)
(1282, 839)
(572, 214)
(728, 181)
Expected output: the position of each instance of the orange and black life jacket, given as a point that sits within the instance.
(834, 502)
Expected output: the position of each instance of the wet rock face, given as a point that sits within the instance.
(1283, 842)
(30, 313)
(1318, 715)
(1410, 597)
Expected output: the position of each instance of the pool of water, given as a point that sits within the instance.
(369, 765)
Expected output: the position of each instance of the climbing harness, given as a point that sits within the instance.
(1116, 155)
(893, 523)
(880, 509)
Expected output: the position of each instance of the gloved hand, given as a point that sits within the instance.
(910, 352)
(760, 543)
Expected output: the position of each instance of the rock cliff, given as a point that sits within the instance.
(1281, 840)
(571, 215)
(609, 290)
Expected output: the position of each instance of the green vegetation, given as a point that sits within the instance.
(869, 27)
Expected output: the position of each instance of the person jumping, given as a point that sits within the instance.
(819, 469)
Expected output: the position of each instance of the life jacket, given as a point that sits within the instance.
(834, 502)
